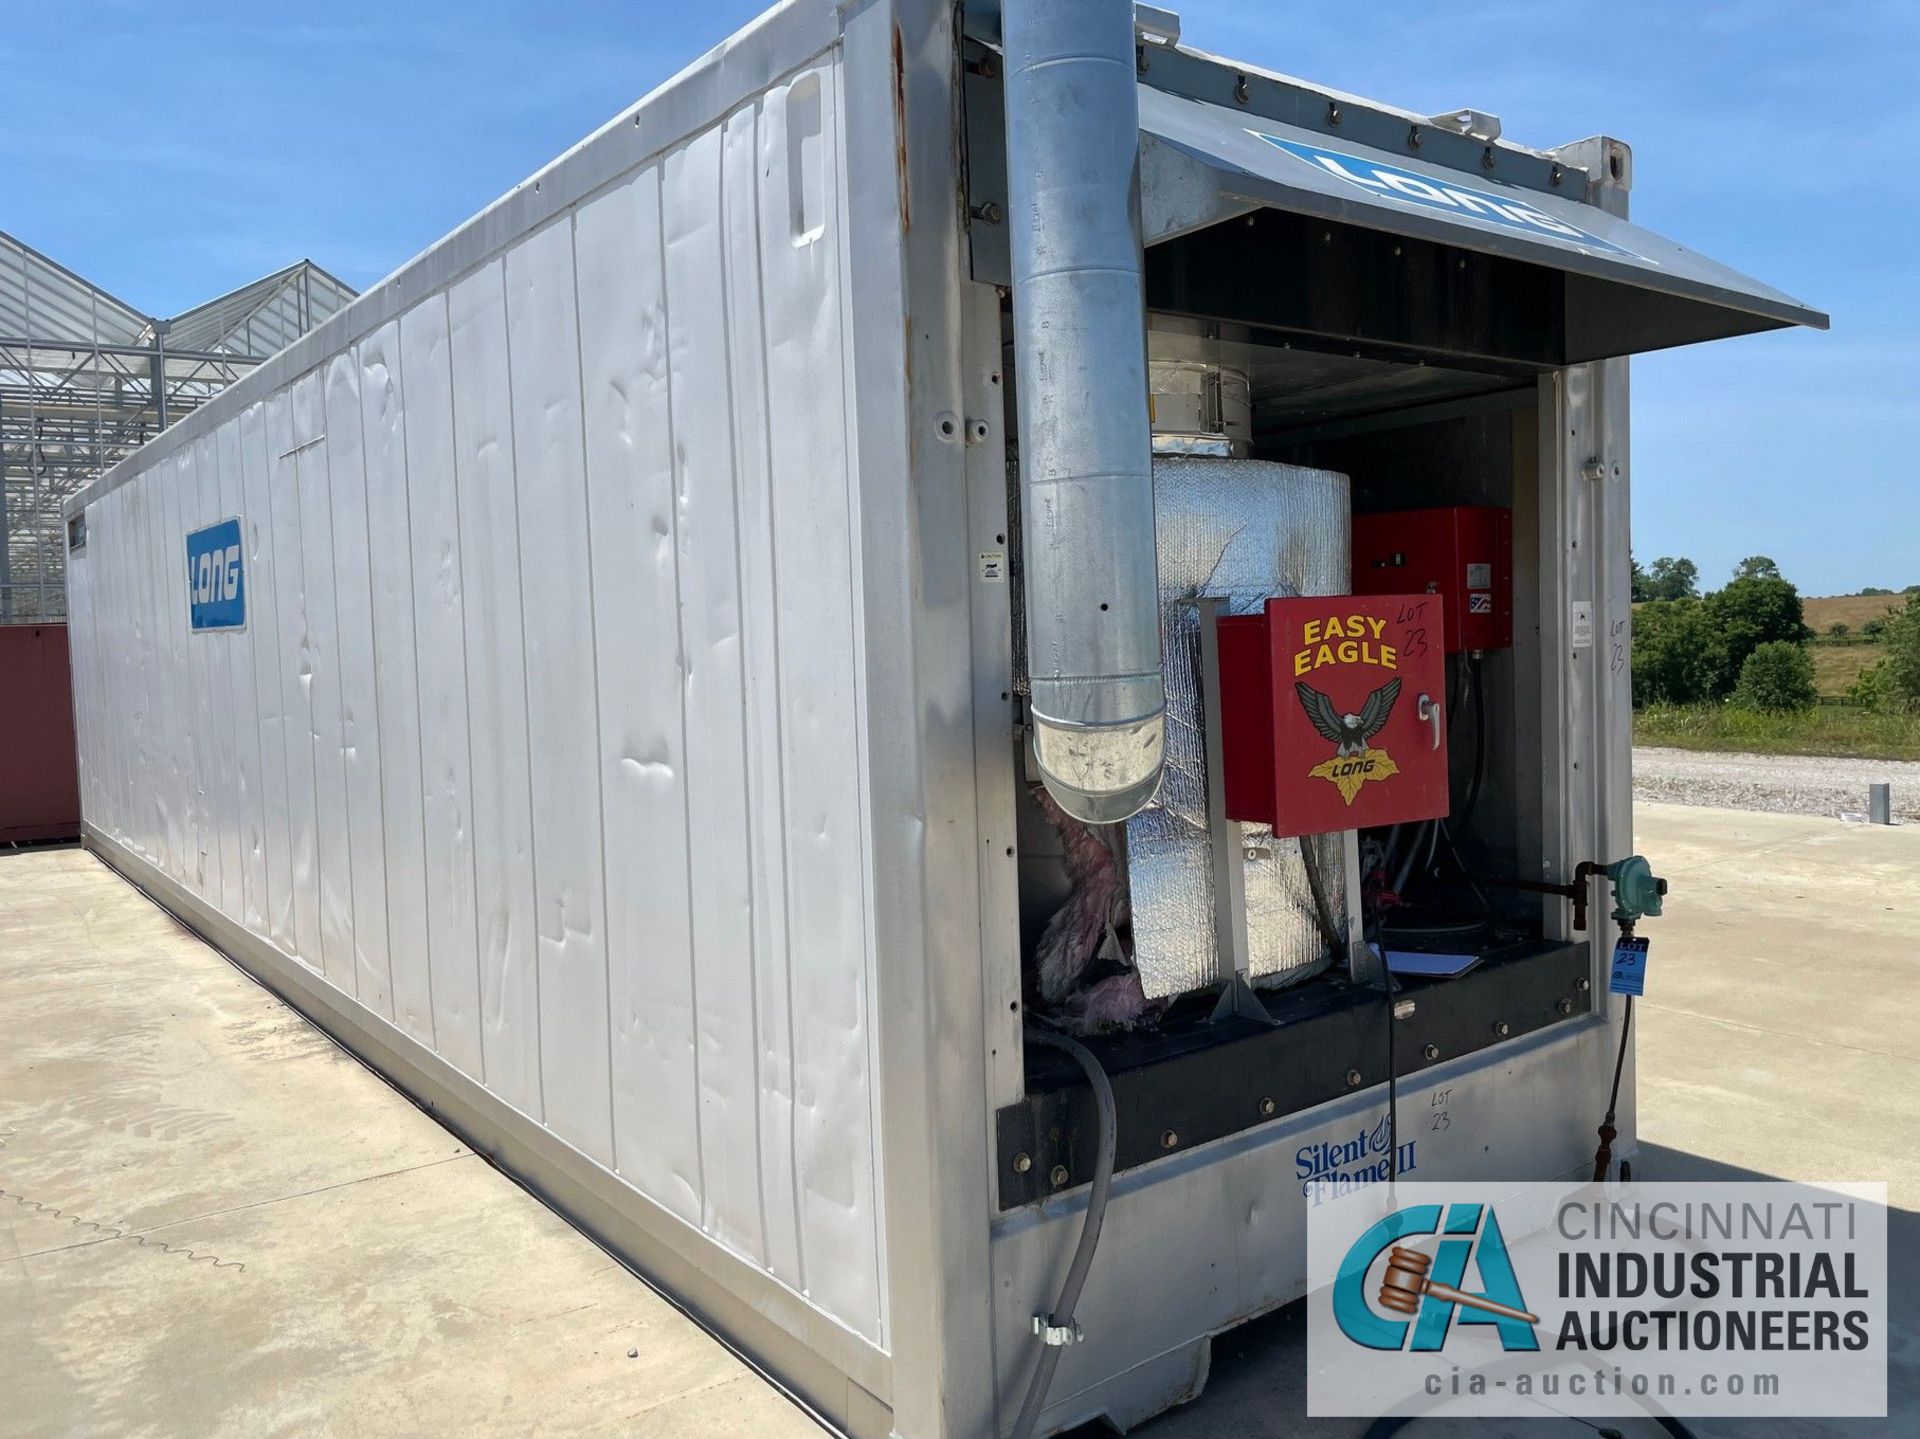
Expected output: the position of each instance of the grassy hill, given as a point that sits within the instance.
(1853, 611)
(1837, 666)
(1837, 662)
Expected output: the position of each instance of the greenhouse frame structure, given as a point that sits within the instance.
(86, 379)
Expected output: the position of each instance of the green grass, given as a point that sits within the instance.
(1845, 730)
(1836, 665)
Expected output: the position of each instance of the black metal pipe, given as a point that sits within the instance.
(1579, 891)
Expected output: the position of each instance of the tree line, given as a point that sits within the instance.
(1745, 644)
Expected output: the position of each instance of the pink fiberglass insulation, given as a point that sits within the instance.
(1098, 899)
(1116, 1002)
(1096, 908)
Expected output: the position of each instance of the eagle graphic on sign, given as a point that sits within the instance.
(1355, 760)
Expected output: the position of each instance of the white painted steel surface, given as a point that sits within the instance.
(1218, 1235)
(541, 740)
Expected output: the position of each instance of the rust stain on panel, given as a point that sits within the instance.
(900, 126)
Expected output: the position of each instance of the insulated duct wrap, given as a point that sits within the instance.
(1242, 531)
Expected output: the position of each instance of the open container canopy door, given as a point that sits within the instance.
(1351, 242)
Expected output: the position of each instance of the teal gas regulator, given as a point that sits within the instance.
(1637, 893)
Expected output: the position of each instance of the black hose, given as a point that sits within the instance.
(1398, 881)
(1486, 905)
(1397, 874)
(1603, 1156)
(1076, 1279)
(1387, 852)
(1477, 697)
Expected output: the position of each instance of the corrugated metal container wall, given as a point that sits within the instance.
(543, 741)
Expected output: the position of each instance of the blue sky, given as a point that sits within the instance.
(172, 152)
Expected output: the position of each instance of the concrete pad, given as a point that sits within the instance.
(141, 1070)
(214, 1222)
(1785, 932)
(1776, 1039)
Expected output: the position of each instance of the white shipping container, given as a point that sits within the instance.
(625, 745)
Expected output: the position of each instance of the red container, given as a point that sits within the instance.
(39, 775)
(1463, 553)
(1321, 721)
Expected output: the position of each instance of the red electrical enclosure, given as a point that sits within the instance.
(1330, 713)
(1463, 553)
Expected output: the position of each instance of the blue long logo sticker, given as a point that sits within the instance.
(216, 578)
(1444, 197)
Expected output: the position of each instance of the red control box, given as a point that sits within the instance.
(1463, 553)
(1330, 712)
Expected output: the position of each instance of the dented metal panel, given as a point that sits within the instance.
(496, 709)
(760, 670)
(297, 915)
(433, 533)
(810, 465)
(214, 711)
(359, 708)
(557, 613)
(246, 899)
(263, 632)
(642, 754)
(323, 683)
(540, 751)
(202, 858)
(709, 615)
(406, 998)
(168, 576)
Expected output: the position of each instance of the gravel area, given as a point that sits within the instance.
(1786, 784)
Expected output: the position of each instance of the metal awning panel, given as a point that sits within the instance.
(1203, 164)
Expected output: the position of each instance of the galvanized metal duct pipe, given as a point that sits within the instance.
(1086, 464)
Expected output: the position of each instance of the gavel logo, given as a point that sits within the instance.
(1406, 1280)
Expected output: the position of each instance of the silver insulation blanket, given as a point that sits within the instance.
(1241, 530)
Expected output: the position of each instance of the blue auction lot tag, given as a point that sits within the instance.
(1629, 974)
